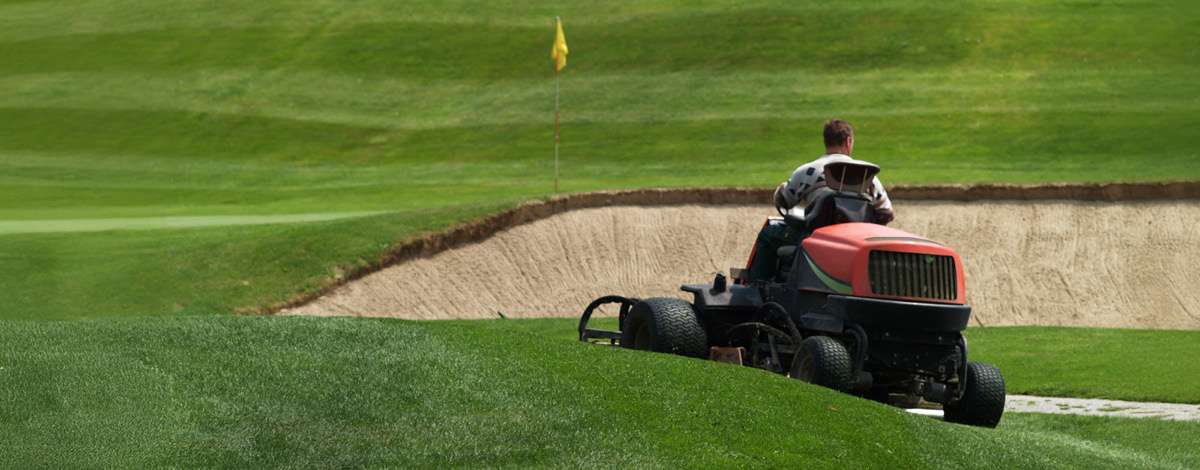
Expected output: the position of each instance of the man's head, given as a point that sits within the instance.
(839, 137)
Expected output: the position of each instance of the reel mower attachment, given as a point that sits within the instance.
(614, 337)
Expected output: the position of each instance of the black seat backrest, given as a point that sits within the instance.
(831, 207)
(845, 196)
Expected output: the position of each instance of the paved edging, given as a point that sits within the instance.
(1100, 407)
(1091, 407)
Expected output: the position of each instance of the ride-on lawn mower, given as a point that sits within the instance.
(855, 306)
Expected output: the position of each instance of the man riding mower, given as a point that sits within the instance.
(852, 305)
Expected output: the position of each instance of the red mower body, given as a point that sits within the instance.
(882, 262)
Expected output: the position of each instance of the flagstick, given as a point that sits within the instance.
(556, 127)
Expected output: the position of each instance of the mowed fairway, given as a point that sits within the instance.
(432, 113)
(184, 160)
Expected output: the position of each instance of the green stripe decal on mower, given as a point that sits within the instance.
(833, 283)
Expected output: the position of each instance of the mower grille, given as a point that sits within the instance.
(913, 275)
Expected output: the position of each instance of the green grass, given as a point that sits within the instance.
(219, 391)
(166, 161)
(195, 270)
(286, 110)
(1134, 365)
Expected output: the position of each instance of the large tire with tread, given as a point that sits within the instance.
(665, 325)
(824, 361)
(982, 403)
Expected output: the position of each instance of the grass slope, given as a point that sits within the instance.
(239, 391)
(1134, 365)
(128, 109)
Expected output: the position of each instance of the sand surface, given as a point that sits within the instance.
(1101, 264)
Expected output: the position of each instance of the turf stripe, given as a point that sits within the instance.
(152, 223)
(396, 103)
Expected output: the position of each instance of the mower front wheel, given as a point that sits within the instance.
(665, 325)
(824, 361)
(982, 403)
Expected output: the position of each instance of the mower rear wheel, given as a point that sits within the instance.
(982, 403)
(824, 361)
(665, 325)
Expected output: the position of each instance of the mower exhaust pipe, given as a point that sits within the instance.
(863, 382)
(937, 393)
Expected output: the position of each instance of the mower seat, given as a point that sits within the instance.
(845, 196)
(832, 207)
(838, 208)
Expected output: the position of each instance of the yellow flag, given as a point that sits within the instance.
(559, 52)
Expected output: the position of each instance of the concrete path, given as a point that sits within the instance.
(1091, 407)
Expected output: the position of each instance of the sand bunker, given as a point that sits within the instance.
(1101, 264)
